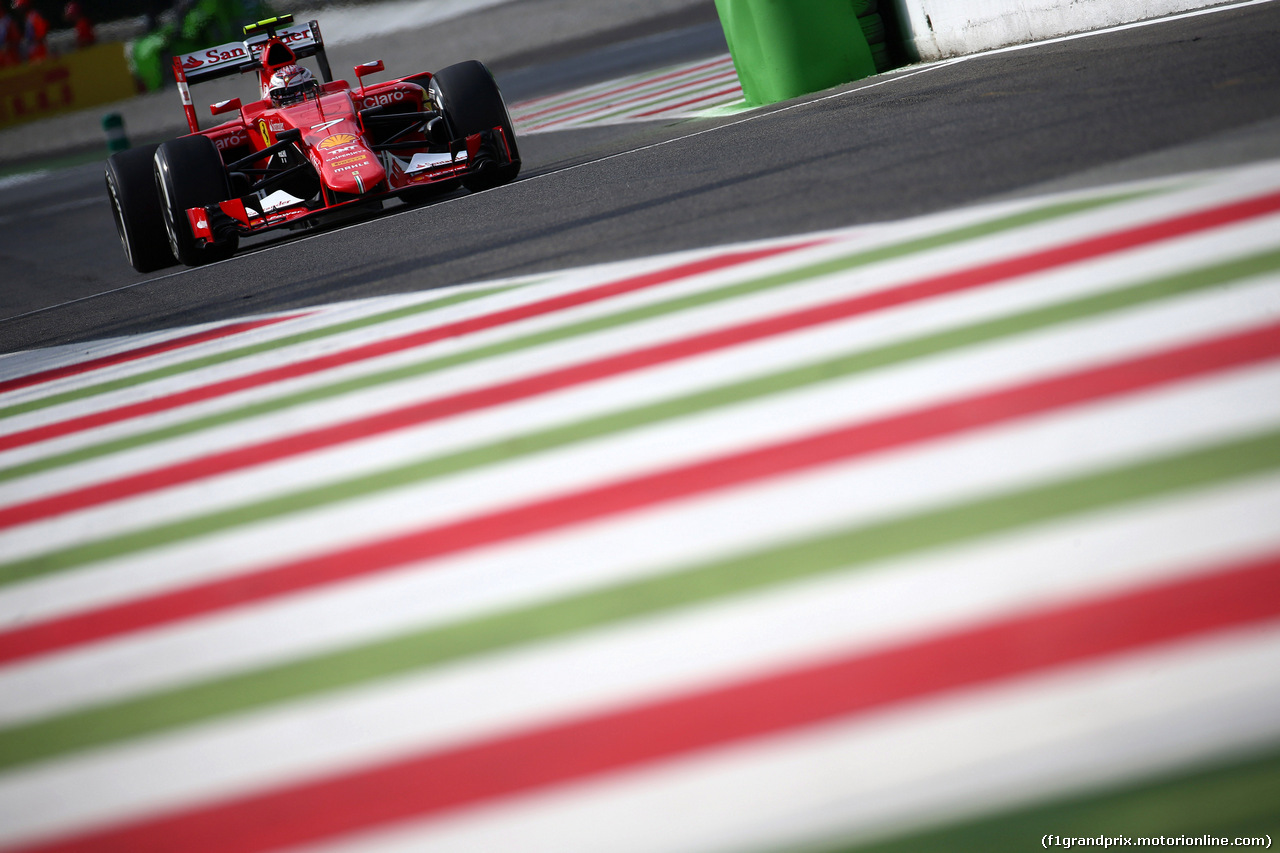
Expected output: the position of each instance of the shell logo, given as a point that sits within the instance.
(336, 140)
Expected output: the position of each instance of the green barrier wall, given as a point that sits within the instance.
(785, 48)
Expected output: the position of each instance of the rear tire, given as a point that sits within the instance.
(469, 97)
(189, 173)
(131, 186)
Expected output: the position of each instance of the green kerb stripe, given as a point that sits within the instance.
(846, 550)
(1231, 800)
(599, 324)
(417, 472)
(253, 349)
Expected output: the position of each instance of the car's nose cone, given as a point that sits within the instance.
(354, 171)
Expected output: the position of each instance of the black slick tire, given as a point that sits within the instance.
(189, 173)
(131, 187)
(469, 97)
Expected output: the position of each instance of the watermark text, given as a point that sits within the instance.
(1106, 841)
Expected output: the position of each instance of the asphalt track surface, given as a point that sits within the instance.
(1181, 95)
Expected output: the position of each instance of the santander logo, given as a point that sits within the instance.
(192, 62)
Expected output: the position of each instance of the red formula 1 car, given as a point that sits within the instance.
(308, 150)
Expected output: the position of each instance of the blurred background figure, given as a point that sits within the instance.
(74, 15)
(35, 29)
(10, 39)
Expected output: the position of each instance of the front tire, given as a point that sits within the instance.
(189, 173)
(131, 186)
(471, 102)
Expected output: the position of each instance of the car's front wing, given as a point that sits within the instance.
(248, 215)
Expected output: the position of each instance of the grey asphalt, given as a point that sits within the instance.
(1182, 95)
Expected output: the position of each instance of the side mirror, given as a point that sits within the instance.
(225, 106)
(290, 135)
(364, 69)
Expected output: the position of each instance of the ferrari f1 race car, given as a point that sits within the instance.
(306, 151)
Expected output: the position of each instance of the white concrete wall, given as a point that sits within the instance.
(939, 28)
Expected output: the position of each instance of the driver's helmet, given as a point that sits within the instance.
(290, 84)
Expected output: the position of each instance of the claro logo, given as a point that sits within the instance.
(384, 98)
(232, 140)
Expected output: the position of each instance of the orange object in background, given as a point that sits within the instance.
(35, 29)
(74, 15)
(10, 41)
